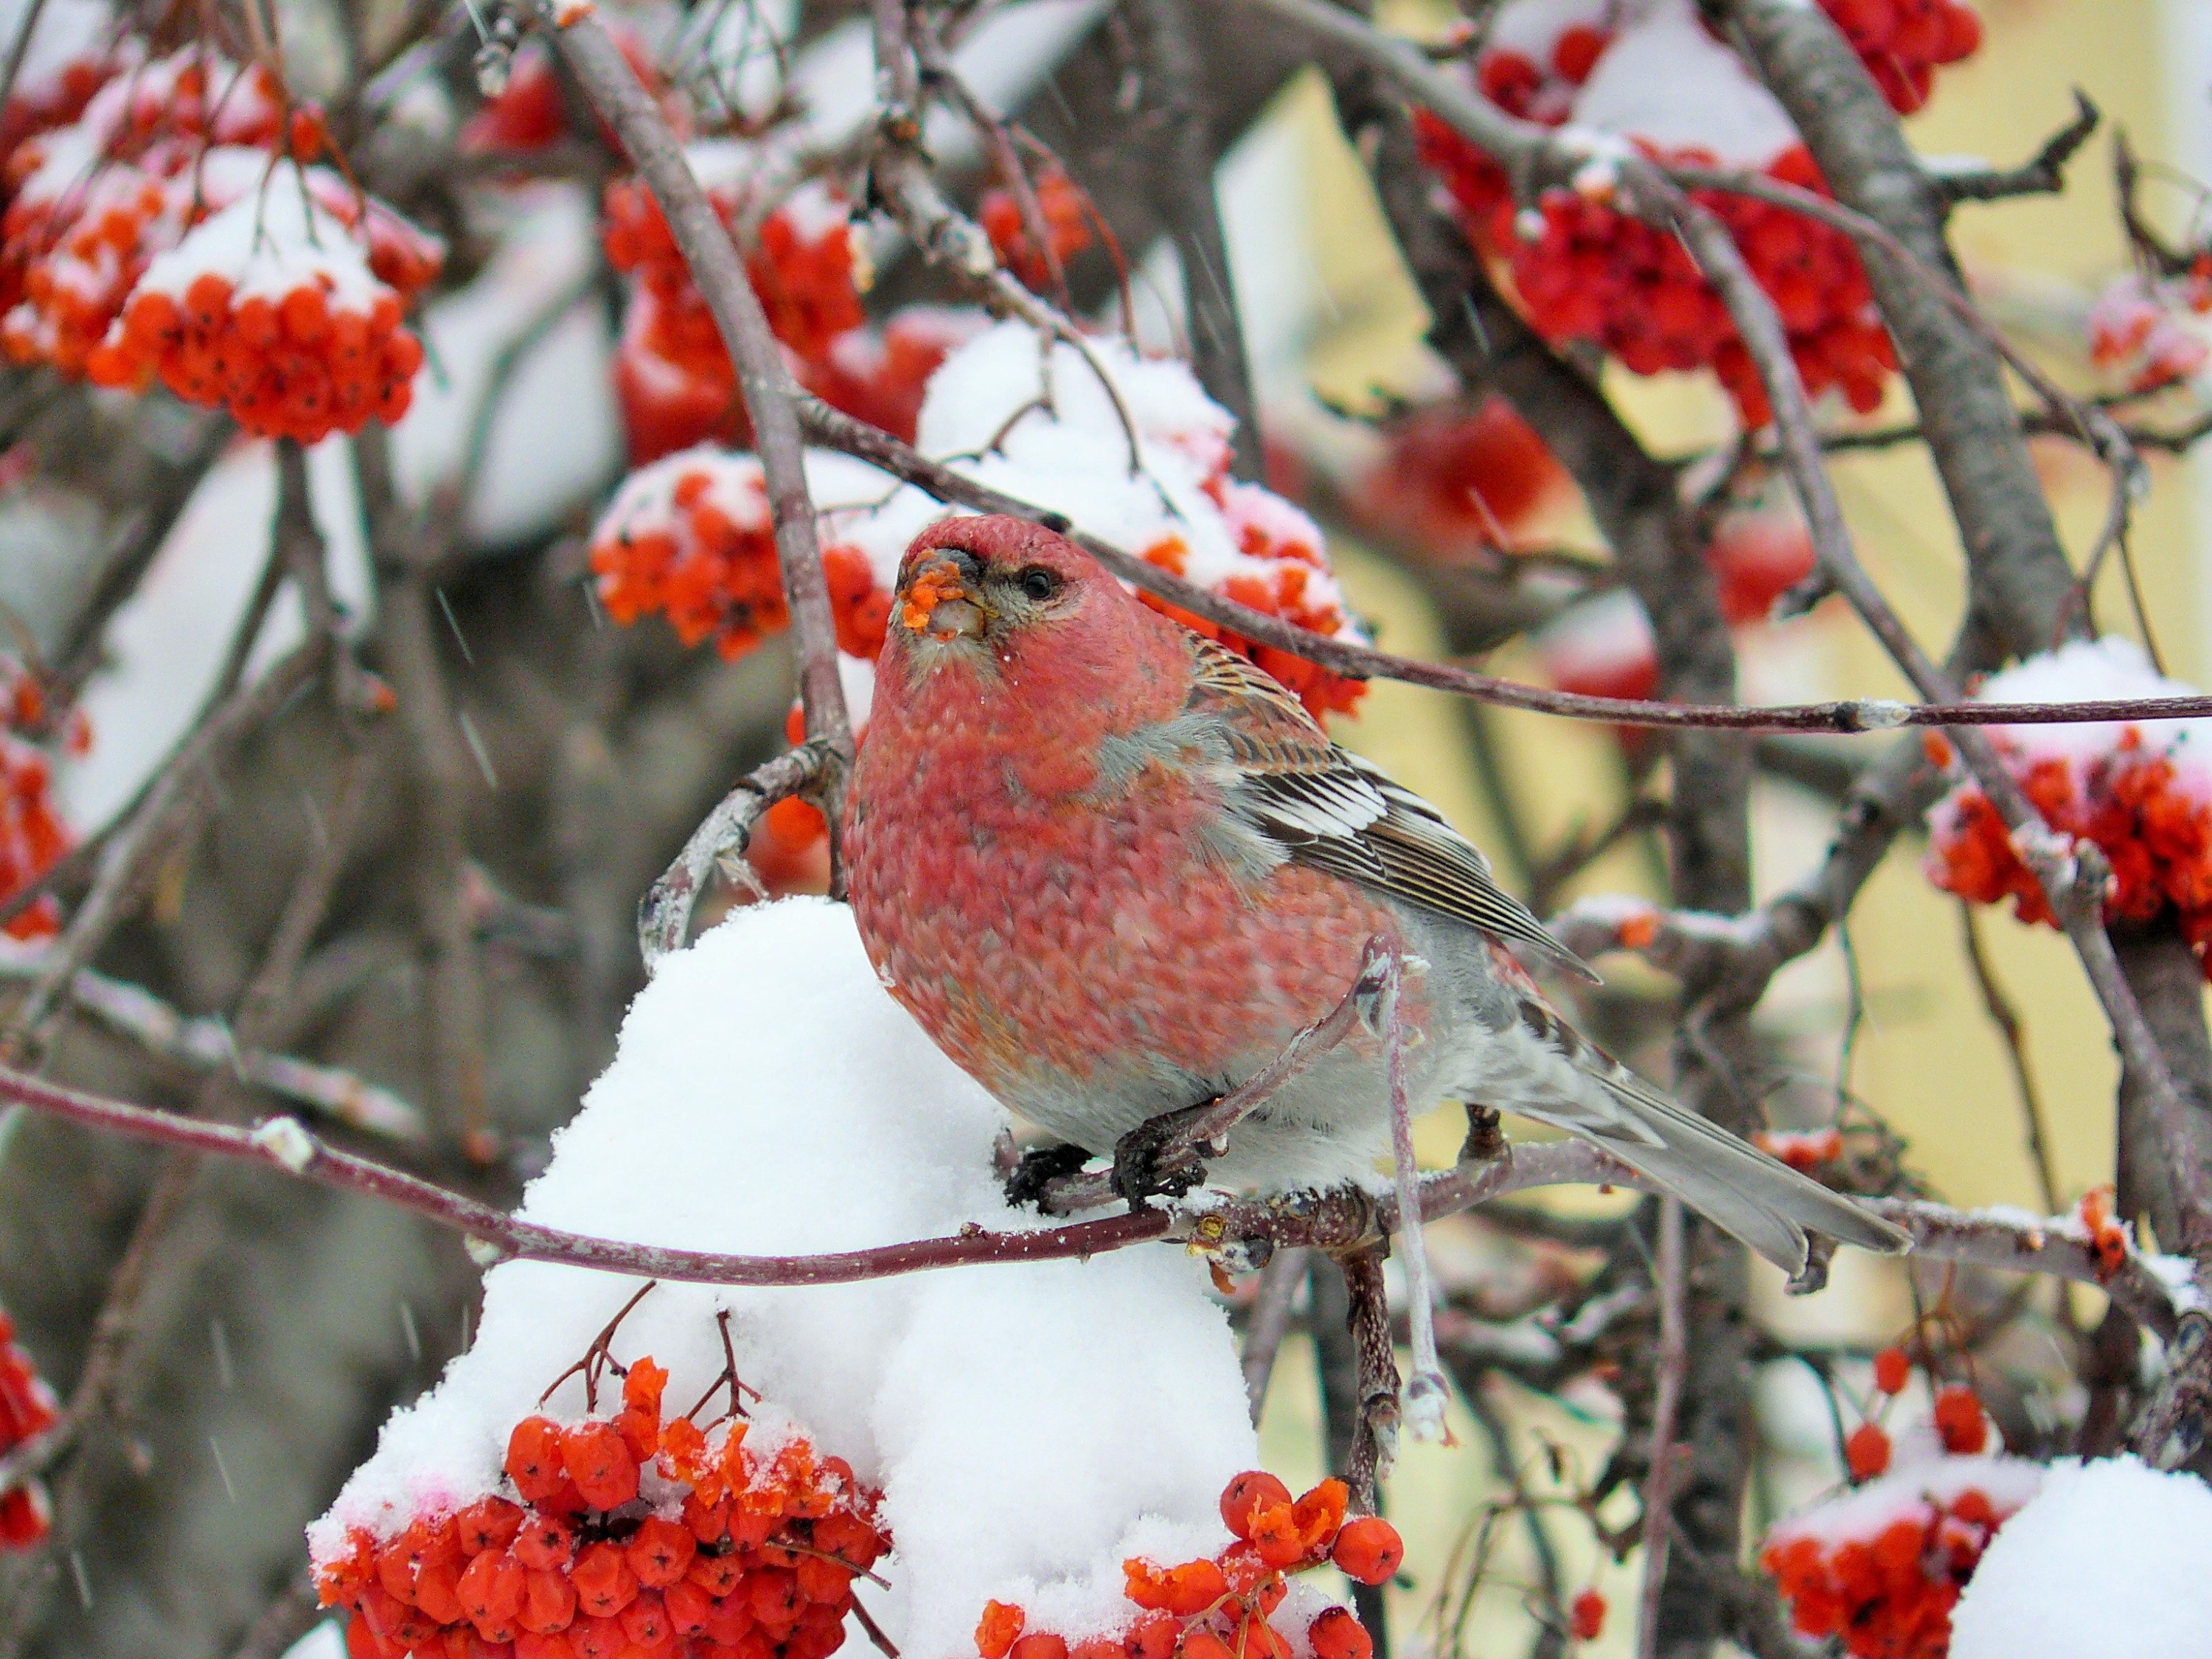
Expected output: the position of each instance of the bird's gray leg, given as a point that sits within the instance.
(1374, 1437)
(1427, 1392)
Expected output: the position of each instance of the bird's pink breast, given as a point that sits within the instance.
(1029, 923)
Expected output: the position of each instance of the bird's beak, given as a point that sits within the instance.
(939, 602)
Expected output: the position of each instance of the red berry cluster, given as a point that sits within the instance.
(1903, 42)
(32, 834)
(690, 537)
(1888, 1596)
(754, 1560)
(27, 1409)
(1456, 482)
(529, 114)
(132, 230)
(2153, 824)
(1541, 89)
(1586, 1616)
(1218, 1607)
(1881, 1567)
(301, 362)
(1066, 214)
(1284, 572)
(878, 373)
(674, 379)
(2137, 330)
(1591, 272)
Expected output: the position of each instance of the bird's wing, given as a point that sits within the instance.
(1331, 809)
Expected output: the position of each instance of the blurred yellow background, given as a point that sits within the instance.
(1927, 1056)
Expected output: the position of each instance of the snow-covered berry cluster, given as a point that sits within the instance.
(1666, 88)
(1880, 1565)
(689, 536)
(1234, 1604)
(1066, 215)
(637, 1533)
(177, 229)
(2147, 333)
(675, 380)
(2141, 793)
(27, 1409)
(32, 833)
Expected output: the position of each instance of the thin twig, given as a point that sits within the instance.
(1672, 1363)
(2006, 1018)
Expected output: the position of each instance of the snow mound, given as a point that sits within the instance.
(1029, 1425)
(2111, 1561)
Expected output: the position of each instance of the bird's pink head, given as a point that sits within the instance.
(974, 589)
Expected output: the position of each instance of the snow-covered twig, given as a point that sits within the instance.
(1672, 1363)
(208, 1044)
(614, 91)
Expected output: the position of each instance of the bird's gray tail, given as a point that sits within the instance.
(1738, 1188)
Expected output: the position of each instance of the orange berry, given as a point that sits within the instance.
(533, 1458)
(1246, 1495)
(1368, 1549)
(1891, 1370)
(774, 1596)
(1183, 1591)
(1320, 1512)
(207, 300)
(1865, 1453)
(491, 1593)
(490, 1523)
(645, 1620)
(543, 1542)
(596, 1638)
(998, 1630)
(661, 1551)
(1043, 1645)
(549, 1601)
(605, 1582)
(600, 1462)
(824, 1582)
(306, 314)
(1338, 1634)
(717, 1575)
(1204, 1644)
(687, 1606)
(1152, 1637)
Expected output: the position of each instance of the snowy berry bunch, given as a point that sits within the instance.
(2145, 332)
(1066, 214)
(634, 1534)
(1881, 1566)
(27, 1409)
(32, 834)
(177, 231)
(1234, 1605)
(2141, 793)
(674, 378)
(1664, 87)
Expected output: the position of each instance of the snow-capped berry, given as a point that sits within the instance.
(1041, 1644)
(1368, 1549)
(1891, 1370)
(1866, 1451)
(1183, 1590)
(1586, 1616)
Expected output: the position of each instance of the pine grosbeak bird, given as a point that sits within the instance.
(1112, 868)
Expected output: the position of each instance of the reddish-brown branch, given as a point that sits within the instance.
(879, 448)
(1332, 1222)
(615, 92)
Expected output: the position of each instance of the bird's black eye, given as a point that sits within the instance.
(1039, 583)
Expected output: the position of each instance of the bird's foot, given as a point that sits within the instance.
(1151, 1160)
(1038, 1168)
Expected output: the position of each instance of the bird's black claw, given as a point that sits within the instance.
(1038, 1168)
(1141, 1170)
(1485, 1136)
